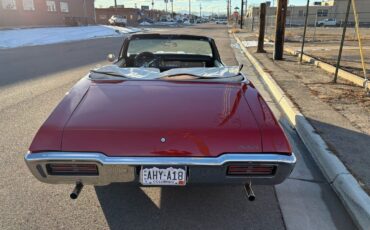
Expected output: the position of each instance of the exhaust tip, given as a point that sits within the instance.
(76, 191)
(249, 192)
(73, 196)
(251, 198)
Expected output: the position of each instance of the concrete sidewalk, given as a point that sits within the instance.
(339, 113)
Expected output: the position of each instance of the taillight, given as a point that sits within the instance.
(72, 169)
(250, 170)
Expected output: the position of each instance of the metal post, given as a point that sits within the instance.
(252, 22)
(94, 14)
(360, 42)
(85, 12)
(314, 32)
(267, 24)
(304, 31)
(172, 9)
(228, 6)
(261, 37)
(153, 10)
(342, 41)
(280, 29)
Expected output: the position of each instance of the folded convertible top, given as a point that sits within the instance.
(230, 73)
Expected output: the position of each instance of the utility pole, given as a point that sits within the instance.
(200, 11)
(228, 6)
(242, 15)
(115, 6)
(280, 29)
(261, 37)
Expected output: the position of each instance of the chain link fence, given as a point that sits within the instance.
(323, 36)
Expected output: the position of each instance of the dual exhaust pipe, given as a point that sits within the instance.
(78, 187)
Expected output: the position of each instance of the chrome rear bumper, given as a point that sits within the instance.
(207, 170)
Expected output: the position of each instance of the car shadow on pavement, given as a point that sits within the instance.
(350, 146)
(306, 198)
(194, 207)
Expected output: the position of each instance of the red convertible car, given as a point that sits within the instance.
(167, 112)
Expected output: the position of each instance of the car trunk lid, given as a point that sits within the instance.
(160, 118)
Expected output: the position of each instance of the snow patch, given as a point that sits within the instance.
(51, 35)
(254, 43)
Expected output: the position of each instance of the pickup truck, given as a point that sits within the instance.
(327, 22)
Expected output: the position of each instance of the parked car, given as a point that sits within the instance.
(148, 20)
(327, 22)
(167, 112)
(221, 21)
(118, 20)
(186, 22)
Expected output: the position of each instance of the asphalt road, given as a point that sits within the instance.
(34, 79)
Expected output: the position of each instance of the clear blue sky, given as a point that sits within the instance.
(207, 5)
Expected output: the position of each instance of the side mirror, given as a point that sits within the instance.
(111, 57)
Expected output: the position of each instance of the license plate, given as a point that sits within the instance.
(158, 175)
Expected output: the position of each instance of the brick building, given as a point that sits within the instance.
(15, 13)
(334, 9)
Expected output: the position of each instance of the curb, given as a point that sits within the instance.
(354, 198)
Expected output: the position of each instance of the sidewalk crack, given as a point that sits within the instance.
(308, 180)
(336, 176)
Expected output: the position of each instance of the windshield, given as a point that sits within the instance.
(169, 46)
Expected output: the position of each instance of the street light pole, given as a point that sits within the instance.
(189, 9)
(153, 10)
(200, 10)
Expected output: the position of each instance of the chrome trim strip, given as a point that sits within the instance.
(193, 161)
(123, 169)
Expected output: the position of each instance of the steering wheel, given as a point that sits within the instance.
(145, 59)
